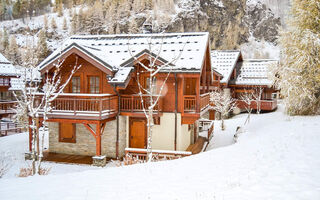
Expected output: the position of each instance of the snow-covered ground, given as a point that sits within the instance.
(277, 157)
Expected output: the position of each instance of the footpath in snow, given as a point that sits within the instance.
(277, 157)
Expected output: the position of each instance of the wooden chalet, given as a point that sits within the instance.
(245, 76)
(7, 100)
(100, 112)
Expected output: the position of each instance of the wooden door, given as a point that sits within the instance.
(137, 133)
(190, 86)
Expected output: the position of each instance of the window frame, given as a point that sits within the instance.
(97, 87)
(78, 84)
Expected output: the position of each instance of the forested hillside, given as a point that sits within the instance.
(252, 25)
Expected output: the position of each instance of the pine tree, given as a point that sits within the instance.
(13, 51)
(299, 73)
(45, 22)
(65, 26)
(74, 23)
(53, 24)
(5, 40)
(60, 10)
(42, 48)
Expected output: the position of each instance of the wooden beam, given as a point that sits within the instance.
(98, 139)
(91, 129)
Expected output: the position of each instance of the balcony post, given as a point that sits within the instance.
(98, 139)
(100, 107)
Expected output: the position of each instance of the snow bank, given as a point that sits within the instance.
(277, 157)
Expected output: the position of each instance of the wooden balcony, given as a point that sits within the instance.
(84, 106)
(265, 105)
(7, 107)
(191, 105)
(4, 82)
(130, 104)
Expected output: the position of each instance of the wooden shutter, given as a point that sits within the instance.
(67, 132)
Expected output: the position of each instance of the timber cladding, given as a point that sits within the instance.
(85, 142)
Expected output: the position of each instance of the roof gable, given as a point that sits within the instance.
(112, 51)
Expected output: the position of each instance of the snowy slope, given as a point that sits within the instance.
(276, 158)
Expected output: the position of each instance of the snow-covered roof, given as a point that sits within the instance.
(6, 68)
(121, 76)
(224, 61)
(254, 72)
(112, 51)
(25, 75)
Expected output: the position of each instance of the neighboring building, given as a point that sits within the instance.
(7, 99)
(7, 73)
(100, 111)
(246, 76)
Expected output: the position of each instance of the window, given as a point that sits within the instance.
(154, 83)
(76, 84)
(67, 132)
(94, 83)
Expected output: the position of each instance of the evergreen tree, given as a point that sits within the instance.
(13, 51)
(60, 10)
(65, 26)
(53, 24)
(5, 40)
(299, 73)
(45, 22)
(42, 48)
(74, 23)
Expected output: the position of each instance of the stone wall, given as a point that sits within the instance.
(85, 142)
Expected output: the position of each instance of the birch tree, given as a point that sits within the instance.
(222, 102)
(257, 97)
(247, 98)
(35, 104)
(151, 69)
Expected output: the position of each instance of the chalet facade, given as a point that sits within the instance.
(7, 100)
(100, 112)
(245, 76)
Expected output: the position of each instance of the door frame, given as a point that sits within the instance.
(131, 120)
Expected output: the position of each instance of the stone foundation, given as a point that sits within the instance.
(99, 161)
(86, 143)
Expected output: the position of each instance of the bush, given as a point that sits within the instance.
(27, 171)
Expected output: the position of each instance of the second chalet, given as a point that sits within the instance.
(100, 112)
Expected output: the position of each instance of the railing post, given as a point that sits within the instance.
(132, 103)
(74, 107)
(100, 108)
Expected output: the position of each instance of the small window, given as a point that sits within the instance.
(76, 84)
(67, 132)
(94, 84)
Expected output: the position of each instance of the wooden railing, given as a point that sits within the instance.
(5, 82)
(7, 107)
(89, 106)
(204, 101)
(207, 125)
(265, 105)
(141, 154)
(189, 103)
(132, 103)
(10, 127)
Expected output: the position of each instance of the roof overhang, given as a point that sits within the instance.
(77, 50)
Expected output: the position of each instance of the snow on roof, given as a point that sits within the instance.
(254, 72)
(121, 76)
(224, 61)
(25, 75)
(114, 50)
(6, 68)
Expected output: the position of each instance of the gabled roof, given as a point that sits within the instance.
(254, 72)
(6, 68)
(224, 61)
(112, 51)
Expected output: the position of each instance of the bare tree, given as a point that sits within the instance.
(222, 102)
(257, 96)
(247, 99)
(151, 69)
(33, 103)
